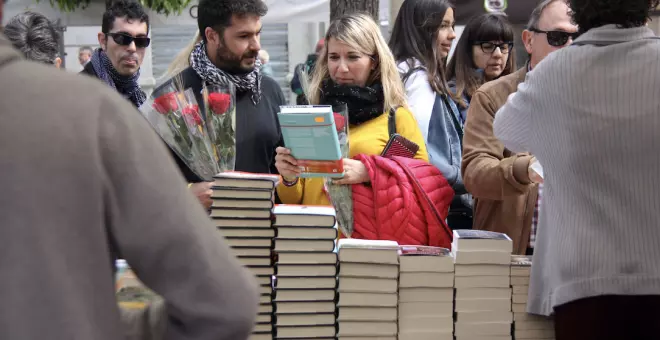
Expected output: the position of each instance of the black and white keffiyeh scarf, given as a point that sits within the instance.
(212, 75)
(127, 86)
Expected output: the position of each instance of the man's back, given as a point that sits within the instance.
(83, 178)
(595, 131)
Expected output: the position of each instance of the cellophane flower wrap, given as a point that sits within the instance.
(165, 114)
(220, 103)
(341, 196)
(205, 164)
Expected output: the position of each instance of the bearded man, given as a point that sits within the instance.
(229, 53)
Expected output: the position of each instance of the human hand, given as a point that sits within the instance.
(203, 192)
(535, 171)
(354, 173)
(286, 164)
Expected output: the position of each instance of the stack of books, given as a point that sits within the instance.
(242, 212)
(368, 284)
(306, 266)
(526, 326)
(426, 293)
(482, 282)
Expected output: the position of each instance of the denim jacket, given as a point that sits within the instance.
(441, 132)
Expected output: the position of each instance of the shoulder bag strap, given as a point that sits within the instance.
(450, 112)
(391, 121)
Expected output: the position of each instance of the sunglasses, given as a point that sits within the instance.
(489, 47)
(556, 38)
(125, 39)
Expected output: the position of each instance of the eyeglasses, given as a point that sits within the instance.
(556, 38)
(126, 39)
(489, 46)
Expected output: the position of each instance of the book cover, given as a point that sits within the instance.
(413, 250)
(309, 131)
(238, 179)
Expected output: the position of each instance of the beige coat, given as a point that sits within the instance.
(83, 174)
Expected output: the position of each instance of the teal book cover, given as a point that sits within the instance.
(310, 132)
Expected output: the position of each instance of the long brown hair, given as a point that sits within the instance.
(414, 39)
(486, 27)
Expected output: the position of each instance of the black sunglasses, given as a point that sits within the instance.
(556, 38)
(489, 46)
(126, 39)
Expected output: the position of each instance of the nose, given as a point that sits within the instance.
(497, 53)
(131, 47)
(343, 66)
(452, 34)
(255, 44)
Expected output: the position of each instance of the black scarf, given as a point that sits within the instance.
(212, 75)
(127, 86)
(364, 103)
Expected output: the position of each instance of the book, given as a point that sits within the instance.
(309, 131)
(237, 179)
(304, 216)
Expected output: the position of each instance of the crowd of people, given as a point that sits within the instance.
(106, 187)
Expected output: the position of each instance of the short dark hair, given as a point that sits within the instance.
(129, 9)
(485, 27)
(34, 35)
(588, 14)
(217, 14)
(86, 48)
(414, 37)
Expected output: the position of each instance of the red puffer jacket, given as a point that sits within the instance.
(407, 201)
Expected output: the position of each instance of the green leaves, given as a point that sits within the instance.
(166, 7)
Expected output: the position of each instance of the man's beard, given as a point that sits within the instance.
(227, 61)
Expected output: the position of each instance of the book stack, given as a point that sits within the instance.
(306, 266)
(426, 293)
(482, 282)
(241, 210)
(526, 326)
(368, 284)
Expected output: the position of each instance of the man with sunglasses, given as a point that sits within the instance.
(504, 188)
(123, 40)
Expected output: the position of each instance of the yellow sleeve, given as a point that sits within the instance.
(292, 194)
(406, 126)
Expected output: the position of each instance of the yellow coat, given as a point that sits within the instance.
(368, 138)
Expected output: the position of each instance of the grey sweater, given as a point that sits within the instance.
(591, 116)
(78, 164)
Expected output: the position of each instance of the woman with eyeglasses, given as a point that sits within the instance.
(483, 53)
(421, 39)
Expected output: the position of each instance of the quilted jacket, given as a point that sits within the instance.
(406, 201)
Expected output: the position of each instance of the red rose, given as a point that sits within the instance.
(166, 103)
(340, 122)
(191, 114)
(219, 102)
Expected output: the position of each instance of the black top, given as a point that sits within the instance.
(257, 126)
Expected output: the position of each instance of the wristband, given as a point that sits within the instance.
(289, 183)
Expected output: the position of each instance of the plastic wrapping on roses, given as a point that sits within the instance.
(204, 162)
(164, 113)
(341, 196)
(220, 103)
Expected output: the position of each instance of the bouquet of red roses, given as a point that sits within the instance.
(220, 103)
(176, 117)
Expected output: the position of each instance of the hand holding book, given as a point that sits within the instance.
(354, 173)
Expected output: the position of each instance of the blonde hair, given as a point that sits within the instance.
(265, 57)
(182, 59)
(361, 33)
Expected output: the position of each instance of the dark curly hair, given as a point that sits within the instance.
(217, 13)
(588, 14)
(129, 9)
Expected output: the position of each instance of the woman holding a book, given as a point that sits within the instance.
(357, 68)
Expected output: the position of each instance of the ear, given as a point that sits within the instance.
(212, 36)
(527, 38)
(102, 40)
(58, 62)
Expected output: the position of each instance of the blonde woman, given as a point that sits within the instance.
(182, 59)
(355, 67)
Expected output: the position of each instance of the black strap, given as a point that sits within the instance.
(391, 121)
(457, 125)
